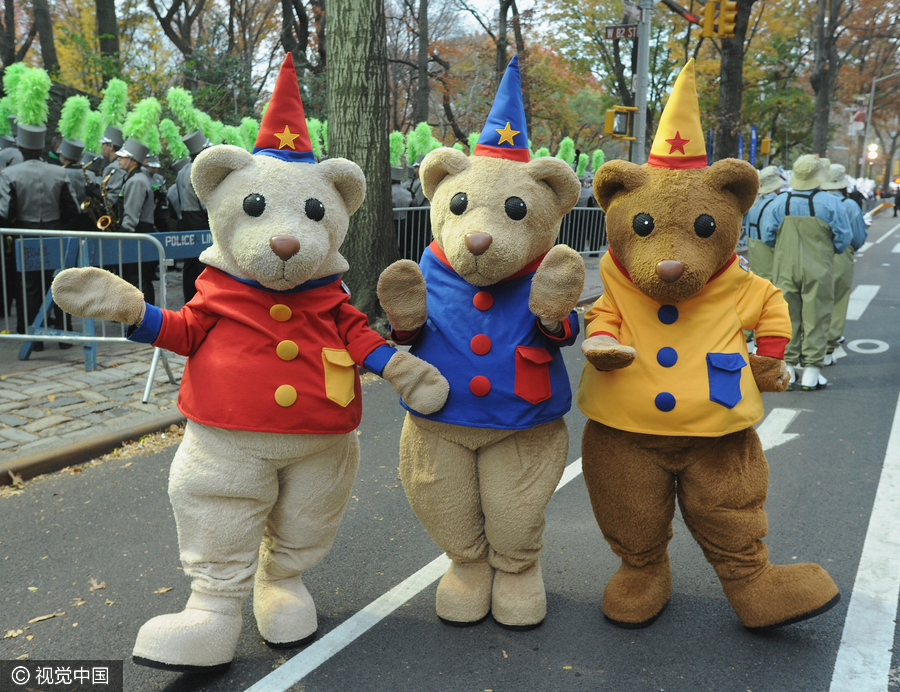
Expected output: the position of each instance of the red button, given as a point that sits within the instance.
(480, 385)
(481, 344)
(483, 300)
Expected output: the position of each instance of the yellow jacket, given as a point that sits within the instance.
(691, 375)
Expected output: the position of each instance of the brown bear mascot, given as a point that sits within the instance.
(667, 389)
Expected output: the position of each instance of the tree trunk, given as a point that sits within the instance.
(44, 25)
(731, 86)
(826, 65)
(523, 64)
(8, 36)
(502, 39)
(358, 130)
(108, 33)
(423, 89)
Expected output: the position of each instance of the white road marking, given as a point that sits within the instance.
(860, 298)
(868, 346)
(839, 353)
(864, 658)
(865, 246)
(888, 234)
(301, 665)
(896, 248)
(772, 430)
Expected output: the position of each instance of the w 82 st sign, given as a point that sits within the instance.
(621, 31)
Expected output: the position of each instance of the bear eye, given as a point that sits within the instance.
(643, 225)
(459, 203)
(515, 208)
(315, 210)
(254, 204)
(704, 226)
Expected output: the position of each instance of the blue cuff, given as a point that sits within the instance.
(378, 359)
(148, 332)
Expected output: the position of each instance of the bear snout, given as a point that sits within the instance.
(478, 243)
(284, 246)
(669, 270)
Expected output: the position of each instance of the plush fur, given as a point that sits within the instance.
(481, 492)
(255, 509)
(721, 481)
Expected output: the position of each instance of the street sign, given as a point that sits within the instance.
(621, 31)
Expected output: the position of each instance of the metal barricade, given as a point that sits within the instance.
(583, 229)
(33, 257)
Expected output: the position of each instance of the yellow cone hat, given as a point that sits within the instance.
(679, 137)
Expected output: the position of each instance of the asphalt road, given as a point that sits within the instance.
(112, 523)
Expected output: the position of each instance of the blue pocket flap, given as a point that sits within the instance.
(724, 371)
(726, 361)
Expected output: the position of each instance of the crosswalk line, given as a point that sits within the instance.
(859, 300)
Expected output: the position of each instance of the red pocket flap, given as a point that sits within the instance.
(534, 354)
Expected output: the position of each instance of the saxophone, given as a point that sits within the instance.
(108, 220)
(94, 207)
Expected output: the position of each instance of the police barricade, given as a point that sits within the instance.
(583, 229)
(33, 257)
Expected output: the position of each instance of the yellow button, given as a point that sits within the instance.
(285, 395)
(287, 350)
(280, 313)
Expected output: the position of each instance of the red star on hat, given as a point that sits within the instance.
(677, 143)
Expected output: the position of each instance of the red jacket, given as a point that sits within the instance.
(267, 361)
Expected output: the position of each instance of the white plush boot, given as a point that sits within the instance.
(201, 638)
(285, 611)
(792, 371)
(829, 359)
(812, 379)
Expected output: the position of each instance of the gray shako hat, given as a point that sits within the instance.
(152, 161)
(72, 149)
(195, 142)
(396, 174)
(93, 162)
(113, 135)
(180, 163)
(31, 136)
(133, 149)
(13, 123)
(6, 142)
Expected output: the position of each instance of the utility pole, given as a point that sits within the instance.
(642, 83)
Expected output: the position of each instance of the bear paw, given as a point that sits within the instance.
(518, 601)
(285, 612)
(419, 384)
(771, 374)
(557, 284)
(464, 593)
(635, 596)
(605, 353)
(402, 292)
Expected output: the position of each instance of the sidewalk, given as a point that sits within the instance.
(54, 413)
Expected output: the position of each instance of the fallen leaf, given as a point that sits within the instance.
(74, 624)
(12, 634)
(51, 397)
(505, 655)
(29, 637)
(79, 601)
(23, 657)
(164, 589)
(32, 588)
(114, 364)
(16, 479)
(95, 585)
(127, 465)
(46, 617)
(109, 602)
(567, 667)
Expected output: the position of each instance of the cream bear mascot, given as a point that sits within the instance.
(271, 387)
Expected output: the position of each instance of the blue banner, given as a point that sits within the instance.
(753, 145)
(709, 143)
(741, 146)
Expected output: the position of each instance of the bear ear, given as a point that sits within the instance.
(559, 176)
(438, 165)
(212, 166)
(347, 178)
(737, 177)
(614, 177)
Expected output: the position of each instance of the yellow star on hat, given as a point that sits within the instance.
(286, 139)
(679, 137)
(507, 134)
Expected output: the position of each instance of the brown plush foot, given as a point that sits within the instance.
(782, 595)
(635, 596)
(518, 601)
(464, 593)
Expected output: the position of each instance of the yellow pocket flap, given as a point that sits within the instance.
(338, 357)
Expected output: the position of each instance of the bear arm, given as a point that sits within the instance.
(771, 374)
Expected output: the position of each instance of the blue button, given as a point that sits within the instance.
(667, 314)
(665, 402)
(667, 357)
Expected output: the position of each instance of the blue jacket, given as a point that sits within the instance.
(826, 208)
(855, 216)
(753, 217)
(504, 371)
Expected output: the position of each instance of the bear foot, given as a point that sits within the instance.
(635, 596)
(464, 593)
(285, 612)
(518, 601)
(201, 638)
(782, 595)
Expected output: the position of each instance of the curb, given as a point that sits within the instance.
(78, 452)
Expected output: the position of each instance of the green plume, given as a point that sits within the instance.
(93, 131)
(473, 140)
(114, 106)
(31, 96)
(597, 159)
(325, 136)
(542, 152)
(6, 109)
(154, 142)
(73, 117)
(181, 103)
(314, 128)
(582, 164)
(142, 121)
(233, 135)
(458, 146)
(418, 142)
(433, 144)
(11, 77)
(250, 128)
(566, 150)
(211, 129)
(396, 147)
(168, 131)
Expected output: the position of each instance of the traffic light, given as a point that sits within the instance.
(727, 16)
(620, 122)
(708, 28)
(873, 151)
(764, 145)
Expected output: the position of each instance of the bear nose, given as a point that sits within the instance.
(669, 270)
(478, 243)
(284, 246)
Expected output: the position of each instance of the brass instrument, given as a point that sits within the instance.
(102, 214)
